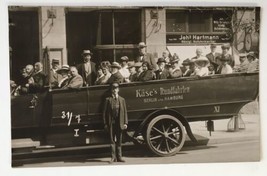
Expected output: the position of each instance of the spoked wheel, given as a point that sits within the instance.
(165, 135)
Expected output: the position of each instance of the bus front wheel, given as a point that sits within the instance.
(165, 135)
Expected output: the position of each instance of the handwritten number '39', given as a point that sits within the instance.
(68, 115)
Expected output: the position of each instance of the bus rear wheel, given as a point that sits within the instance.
(165, 135)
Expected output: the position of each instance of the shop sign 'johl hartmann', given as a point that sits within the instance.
(197, 38)
(161, 94)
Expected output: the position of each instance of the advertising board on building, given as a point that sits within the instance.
(197, 38)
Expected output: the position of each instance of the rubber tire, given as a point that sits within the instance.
(181, 129)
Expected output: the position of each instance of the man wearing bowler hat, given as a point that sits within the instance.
(87, 69)
(54, 77)
(115, 121)
(162, 72)
(144, 56)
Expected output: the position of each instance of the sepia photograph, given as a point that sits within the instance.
(116, 85)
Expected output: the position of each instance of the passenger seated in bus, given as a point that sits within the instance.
(162, 72)
(176, 71)
(54, 77)
(26, 74)
(212, 56)
(75, 80)
(193, 68)
(87, 69)
(168, 67)
(225, 54)
(187, 71)
(211, 69)
(29, 70)
(132, 71)
(39, 79)
(165, 56)
(147, 73)
(106, 72)
(198, 54)
(139, 71)
(100, 77)
(202, 66)
(115, 74)
(253, 62)
(64, 72)
(144, 56)
(124, 67)
(243, 67)
(224, 67)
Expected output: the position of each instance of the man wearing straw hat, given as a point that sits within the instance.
(144, 56)
(87, 69)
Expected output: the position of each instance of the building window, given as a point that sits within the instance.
(127, 27)
(199, 21)
(202, 26)
(176, 21)
(188, 21)
(118, 33)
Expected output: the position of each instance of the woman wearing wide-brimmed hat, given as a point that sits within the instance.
(202, 66)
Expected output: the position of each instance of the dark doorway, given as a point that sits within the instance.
(81, 34)
(23, 40)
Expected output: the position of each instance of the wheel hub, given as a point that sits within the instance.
(165, 135)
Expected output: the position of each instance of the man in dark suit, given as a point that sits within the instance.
(213, 56)
(54, 77)
(38, 81)
(226, 55)
(87, 69)
(144, 56)
(147, 73)
(116, 76)
(132, 72)
(115, 121)
(162, 72)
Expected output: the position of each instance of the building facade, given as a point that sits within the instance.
(43, 33)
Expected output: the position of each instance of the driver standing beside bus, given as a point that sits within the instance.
(115, 121)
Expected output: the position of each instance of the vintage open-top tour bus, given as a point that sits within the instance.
(160, 111)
